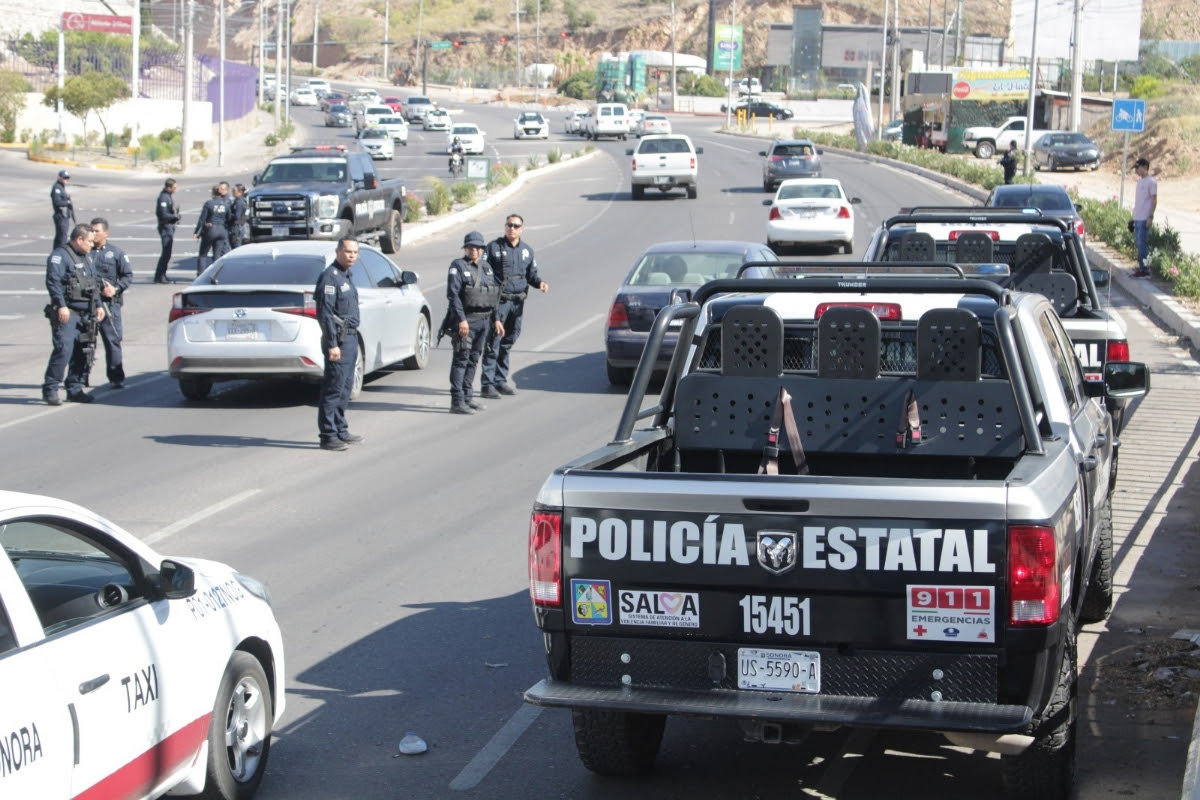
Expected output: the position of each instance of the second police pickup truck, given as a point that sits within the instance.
(1026, 250)
(868, 500)
(325, 193)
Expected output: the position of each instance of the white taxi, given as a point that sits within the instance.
(126, 674)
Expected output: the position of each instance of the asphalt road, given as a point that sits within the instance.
(398, 568)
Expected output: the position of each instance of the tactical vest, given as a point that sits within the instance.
(478, 297)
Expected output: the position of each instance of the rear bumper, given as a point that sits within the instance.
(623, 348)
(815, 709)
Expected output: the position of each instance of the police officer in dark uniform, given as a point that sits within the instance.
(212, 229)
(513, 262)
(472, 291)
(74, 302)
(64, 209)
(167, 213)
(238, 209)
(337, 313)
(1008, 162)
(115, 273)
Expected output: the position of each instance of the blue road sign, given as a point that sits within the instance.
(1129, 115)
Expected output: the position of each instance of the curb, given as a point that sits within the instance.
(442, 222)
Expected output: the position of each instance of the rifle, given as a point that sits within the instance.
(447, 328)
(90, 335)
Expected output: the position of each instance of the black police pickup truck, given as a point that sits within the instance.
(861, 499)
(325, 192)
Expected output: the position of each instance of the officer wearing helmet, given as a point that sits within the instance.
(472, 292)
(456, 153)
(64, 209)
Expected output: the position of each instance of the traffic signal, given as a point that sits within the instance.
(457, 43)
(565, 34)
(503, 39)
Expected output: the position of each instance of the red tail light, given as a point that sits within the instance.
(634, 165)
(693, 162)
(309, 309)
(178, 311)
(1033, 580)
(545, 565)
(618, 316)
(890, 311)
(1117, 351)
(774, 213)
(1079, 227)
(844, 212)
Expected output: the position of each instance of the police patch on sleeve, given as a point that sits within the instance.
(55, 259)
(330, 291)
(454, 270)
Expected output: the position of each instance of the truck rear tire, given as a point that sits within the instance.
(617, 743)
(1046, 770)
(692, 192)
(985, 150)
(389, 240)
(638, 192)
(1097, 598)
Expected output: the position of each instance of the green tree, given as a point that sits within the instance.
(580, 85)
(13, 87)
(90, 91)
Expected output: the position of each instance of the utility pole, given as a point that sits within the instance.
(420, 44)
(387, 34)
(221, 84)
(137, 51)
(317, 37)
(537, 52)
(279, 96)
(262, 50)
(1077, 71)
(287, 94)
(898, 37)
(520, 83)
(1032, 91)
(673, 86)
(882, 71)
(185, 142)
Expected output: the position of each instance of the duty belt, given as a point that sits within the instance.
(509, 296)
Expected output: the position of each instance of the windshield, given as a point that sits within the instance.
(1033, 198)
(294, 170)
(809, 191)
(465, 130)
(688, 268)
(259, 268)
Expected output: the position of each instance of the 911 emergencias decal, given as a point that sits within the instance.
(951, 613)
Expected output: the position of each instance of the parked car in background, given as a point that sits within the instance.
(251, 316)
(651, 124)
(789, 158)
(436, 119)
(1063, 149)
(303, 96)
(1046, 197)
(394, 103)
(811, 211)
(894, 130)
(469, 135)
(396, 127)
(761, 109)
(531, 125)
(129, 674)
(634, 119)
(572, 123)
(378, 142)
(339, 116)
(331, 99)
(665, 272)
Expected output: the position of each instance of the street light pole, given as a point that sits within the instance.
(673, 87)
(517, 5)
(1077, 71)
(882, 70)
(1032, 90)
(221, 84)
(279, 99)
(387, 34)
(316, 34)
(185, 142)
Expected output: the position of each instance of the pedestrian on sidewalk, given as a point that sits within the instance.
(1008, 162)
(1145, 201)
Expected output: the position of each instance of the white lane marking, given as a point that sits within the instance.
(494, 750)
(202, 514)
(567, 334)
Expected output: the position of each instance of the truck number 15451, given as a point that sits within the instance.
(762, 614)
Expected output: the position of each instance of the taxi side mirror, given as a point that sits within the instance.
(176, 581)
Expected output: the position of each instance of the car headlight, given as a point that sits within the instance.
(327, 206)
(255, 587)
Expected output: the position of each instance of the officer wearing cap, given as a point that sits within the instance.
(336, 299)
(472, 291)
(115, 273)
(516, 267)
(212, 229)
(64, 209)
(74, 292)
(166, 211)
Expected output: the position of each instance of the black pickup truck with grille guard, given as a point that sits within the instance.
(325, 192)
(860, 499)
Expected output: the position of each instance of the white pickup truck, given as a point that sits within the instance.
(664, 162)
(986, 141)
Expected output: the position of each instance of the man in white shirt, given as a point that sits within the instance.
(1145, 200)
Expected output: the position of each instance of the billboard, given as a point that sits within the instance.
(1110, 30)
(96, 23)
(991, 84)
(727, 48)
